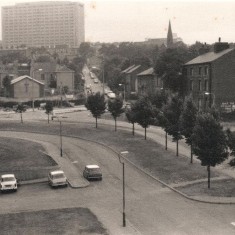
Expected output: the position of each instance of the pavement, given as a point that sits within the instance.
(75, 177)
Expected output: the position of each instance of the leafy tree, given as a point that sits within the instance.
(187, 122)
(131, 117)
(6, 84)
(169, 65)
(20, 109)
(172, 112)
(115, 108)
(159, 99)
(85, 50)
(144, 112)
(48, 108)
(43, 59)
(231, 144)
(96, 104)
(209, 142)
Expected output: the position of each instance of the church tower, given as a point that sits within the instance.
(169, 42)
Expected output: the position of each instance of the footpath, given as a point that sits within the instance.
(79, 114)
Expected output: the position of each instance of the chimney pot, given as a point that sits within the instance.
(219, 39)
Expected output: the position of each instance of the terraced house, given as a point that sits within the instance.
(211, 77)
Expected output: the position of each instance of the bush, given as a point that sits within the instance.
(232, 162)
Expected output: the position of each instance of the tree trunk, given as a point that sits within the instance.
(21, 117)
(145, 133)
(133, 129)
(209, 175)
(96, 122)
(191, 151)
(177, 147)
(166, 141)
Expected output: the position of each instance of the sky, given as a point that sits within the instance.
(137, 20)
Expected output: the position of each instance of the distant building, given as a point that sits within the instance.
(211, 77)
(25, 87)
(43, 24)
(167, 42)
(54, 76)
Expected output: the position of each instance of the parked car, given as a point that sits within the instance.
(57, 178)
(92, 172)
(96, 80)
(111, 95)
(8, 183)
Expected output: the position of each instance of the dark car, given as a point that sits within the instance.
(92, 172)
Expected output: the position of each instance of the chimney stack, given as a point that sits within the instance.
(220, 46)
(219, 39)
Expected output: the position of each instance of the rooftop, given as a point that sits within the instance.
(149, 71)
(208, 57)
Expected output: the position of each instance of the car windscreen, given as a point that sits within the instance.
(58, 176)
(94, 170)
(5, 179)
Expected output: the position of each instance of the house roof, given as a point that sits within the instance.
(13, 81)
(133, 69)
(60, 68)
(149, 71)
(208, 57)
(127, 69)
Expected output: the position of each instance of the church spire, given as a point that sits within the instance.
(169, 36)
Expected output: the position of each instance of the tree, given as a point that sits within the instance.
(169, 65)
(115, 108)
(48, 108)
(231, 144)
(209, 142)
(6, 84)
(85, 50)
(144, 112)
(172, 112)
(96, 104)
(131, 117)
(20, 109)
(187, 122)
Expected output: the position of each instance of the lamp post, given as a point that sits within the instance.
(124, 91)
(33, 73)
(123, 188)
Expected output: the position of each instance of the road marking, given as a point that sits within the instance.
(233, 223)
(75, 162)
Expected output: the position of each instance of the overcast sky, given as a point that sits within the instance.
(129, 20)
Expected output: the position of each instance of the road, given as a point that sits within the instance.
(150, 208)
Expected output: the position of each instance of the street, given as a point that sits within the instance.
(150, 208)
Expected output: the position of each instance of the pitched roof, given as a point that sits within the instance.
(13, 81)
(208, 57)
(149, 71)
(60, 68)
(127, 69)
(133, 69)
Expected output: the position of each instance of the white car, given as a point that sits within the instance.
(8, 182)
(111, 95)
(96, 80)
(57, 178)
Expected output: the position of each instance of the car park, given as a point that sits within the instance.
(57, 178)
(8, 183)
(92, 172)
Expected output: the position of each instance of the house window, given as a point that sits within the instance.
(206, 85)
(200, 71)
(191, 71)
(199, 85)
(42, 76)
(206, 70)
(191, 85)
(26, 86)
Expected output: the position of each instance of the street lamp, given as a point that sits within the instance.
(123, 188)
(124, 91)
(33, 73)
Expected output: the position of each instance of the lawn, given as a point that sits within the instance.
(59, 221)
(24, 158)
